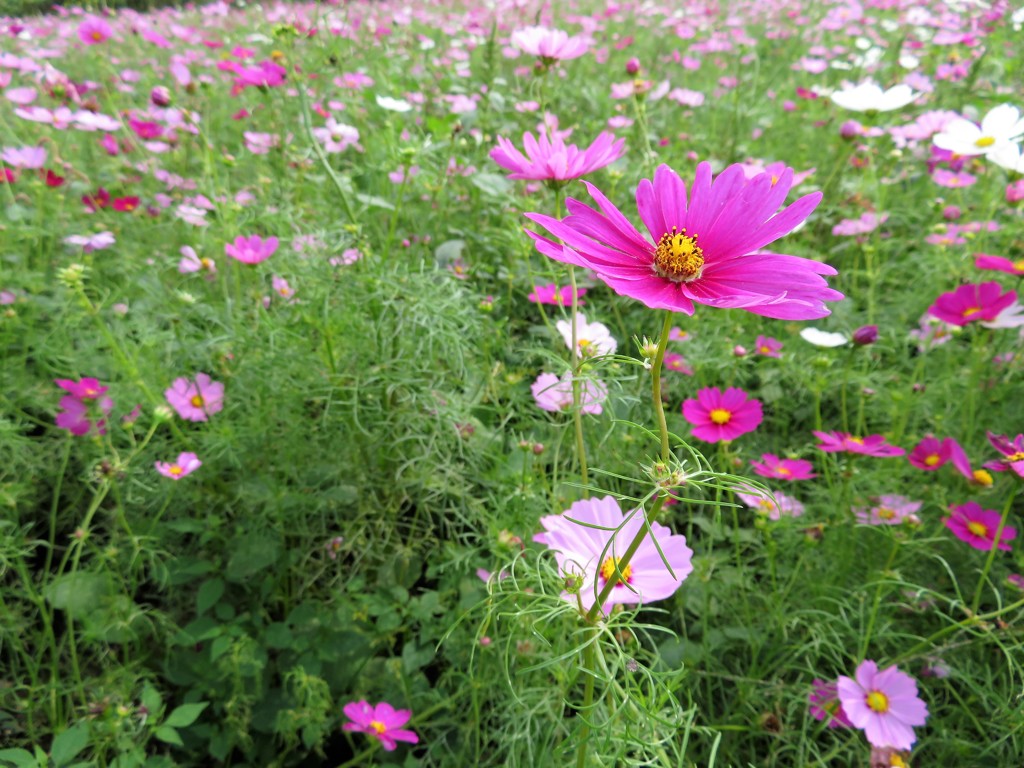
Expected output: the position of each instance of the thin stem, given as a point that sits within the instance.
(577, 413)
(976, 601)
(588, 701)
(659, 406)
(866, 640)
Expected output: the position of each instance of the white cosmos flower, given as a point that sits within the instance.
(1002, 126)
(821, 338)
(1009, 157)
(1011, 317)
(592, 339)
(869, 97)
(393, 105)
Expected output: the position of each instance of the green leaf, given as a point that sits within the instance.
(168, 735)
(253, 552)
(210, 592)
(69, 743)
(491, 184)
(185, 715)
(374, 202)
(77, 593)
(19, 758)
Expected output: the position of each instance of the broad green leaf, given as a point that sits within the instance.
(185, 715)
(210, 592)
(19, 758)
(168, 735)
(69, 743)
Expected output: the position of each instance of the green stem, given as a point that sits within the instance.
(976, 601)
(866, 640)
(588, 701)
(659, 406)
(972, 620)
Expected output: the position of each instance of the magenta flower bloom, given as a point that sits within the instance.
(673, 361)
(251, 250)
(872, 445)
(977, 526)
(931, 453)
(972, 302)
(559, 297)
(186, 464)
(594, 553)
(782, 506)
(549, 44)
(87, 388)
(884, 704)
(551, 159)
(381, 721)
(705, 246)
(30, 158)
(825, 705)
(196, 400)
(84, 403)
(783, 469)
(1013, 454)
(889, 510)
(767, 346)
(999, 264)
(719, 416)
(555, 394)
(94, 30)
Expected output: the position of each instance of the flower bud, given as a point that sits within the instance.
(160, 96)
(633, 66)
(865, 335)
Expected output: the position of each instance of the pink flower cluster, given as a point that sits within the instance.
(84, 407)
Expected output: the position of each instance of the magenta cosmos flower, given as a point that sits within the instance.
(252, 249)
(549, 44)
(381, 721)
(551, 159)
(84, 402)
(872, 445)
(185, 464)
(825, 705)
(94, 30)
(589, 539)
(977, 526)
(968, 303)
(931, 453)
(705, 246)
(717, 416)
(768, 347)
(999, 264)
(559, 297)
(884, 704)
(889, 510)
(196, 400)
(1013, 454)
(783, 469)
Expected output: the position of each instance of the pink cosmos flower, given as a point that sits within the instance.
(678, 334)
(767, 346)
(337, 137)
(977, 526)
(872, 445)
(673, 361)
(381, 721)
(282, 288)
(1013, 454)
(90, 243)
(889, 510)
(555, 394)
(884, 704)
(549, 44)
(551, 159)
(252, 249)
(999, 264)
(84, 402)
(868, 222)
(825, 705)
(783, 469)
(589, 540)
(931, 453)
(196, 400)
(763, 504)
(94, 30)
(559, 297)
(931, 332)
(185, 464)
(191, 262)
(87, 388)
(706, 245)
(972, 302)
(717, 416)
(31, 158)
(952, 179)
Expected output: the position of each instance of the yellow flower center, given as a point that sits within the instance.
(878, 702)
(886, 514)
(609, 566)
(978, 529)
(932, 460)
(985, 141)
(720, 416)
(971, 311)
(176, 470)
(857, 440)
(764, 349)
(678, 257)
(97, 36)
(1018, 456)
(895, 761)
(1019, 265)
(783, 471)
(197, 401)
(982, 477)
(378, 726)
(206, 263)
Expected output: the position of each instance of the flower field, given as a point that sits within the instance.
(512, 384)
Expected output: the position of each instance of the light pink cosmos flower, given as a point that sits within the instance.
(972, 302)
(706, 245)
(589, 540)
(868, 222)
(763, 504)
(783, 469)
(252, 249)
(884, 704)
(767, 346)
(952, 179)
(559, 297)
(549, 45)
(977, 526)
(890, 509)
(1013, 454)
(337, 137)
(94, 30)
(931, 332)
(673, 361)
(191, 262)
(282, 288)
(185, 464)
(871, 445)
(549, 158)
(380, 721)
(555, 394)
(592, 339)
(999, 264)
(31, 158)
(825, 705)
(196, 400)
(90, 243)
(718, 416)
(260, 143)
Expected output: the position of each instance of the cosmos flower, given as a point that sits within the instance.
(85, 403)
(185, 464)
(252, 249)
(706, 245)
(550, 45)
(30, 158)
(999, 264)
(889, 509)
(94, 30)
(555, 394)
(884, 704)
(825, 705)
(551, 159)
(777, 508)
(1001, 127)
(589, 540)
(559, 297)
(767, 346)
(872, 445)
(977, 526)
(1013, 454)
(783, 469)
(192, 262)
(718, 416)
(930, 454)
(972, 302)
(380, 721)
(821, 338)
(592, 339)
(869, 97)
(673, 361)
(196, 400)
